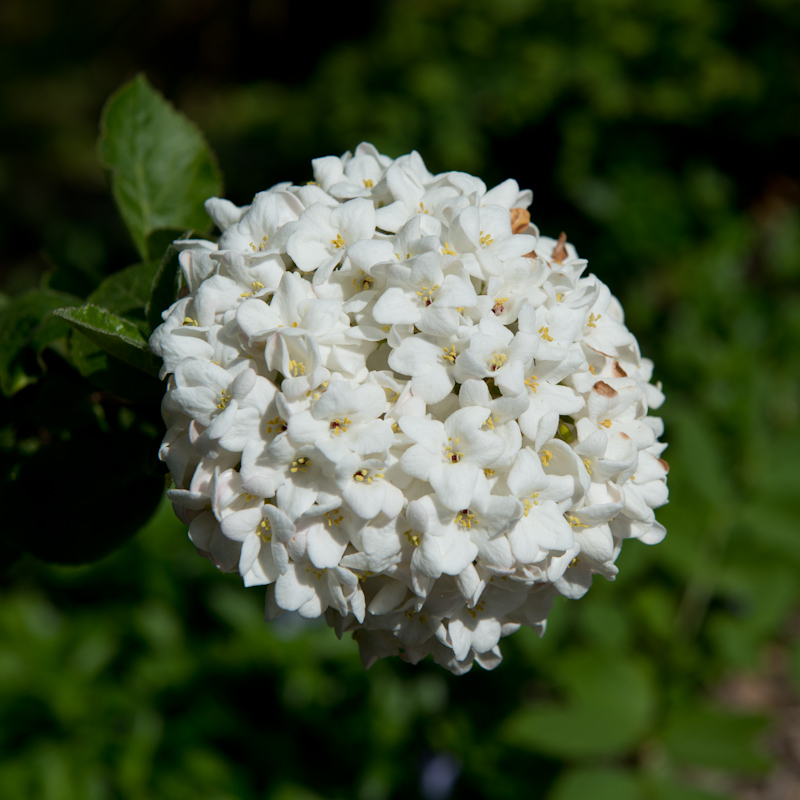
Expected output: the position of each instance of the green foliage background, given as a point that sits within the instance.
(662, 137)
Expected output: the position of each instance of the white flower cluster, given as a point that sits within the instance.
(394, 403)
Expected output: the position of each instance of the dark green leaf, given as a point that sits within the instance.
(713, 739)
(667, 789)
(599, 784)
(114, 334)
(110, 374)
(162, 170)
(164, 287)
(100, 490)
(27, 327)
(126, 290)
(609, 706)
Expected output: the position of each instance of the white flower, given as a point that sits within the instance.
(394, 404)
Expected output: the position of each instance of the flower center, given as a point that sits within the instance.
(465, 518)
(276, 425)
(338, 242)
(473, 612)
(498, 359)
(499, 305)
(453, 455)
(261, 246)
(363, 476)
(257, 285)
(300, 465)
(339, 425)
(224, 399)
(450, 354)
(297, 368)
(363, 282)
(575, 521)
(412, 537)
(545, 334)
(486, 239)
(529, 504)
(262, 531)
(425, 294)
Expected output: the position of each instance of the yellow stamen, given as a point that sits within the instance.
(447, 250)
(333, 520)
(473, 612)
(545, 333)
(339, 425)
(499, 305)
(465, 518)
(413, 538)
(276, 425)
(262, 529)
(547, 457)
(575, 521)
(529, 504)
(498, 359)
(338, 242)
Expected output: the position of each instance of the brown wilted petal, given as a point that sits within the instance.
(664, 464)
(560, 251)
(532, 254)
(618, 372)
(520, 218)
(603, 389)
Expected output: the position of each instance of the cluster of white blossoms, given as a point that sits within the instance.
(395, 404)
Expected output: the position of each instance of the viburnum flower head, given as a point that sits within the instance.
(393, 403)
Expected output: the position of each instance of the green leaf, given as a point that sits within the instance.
(599, 784)
(26, 328)
(609, 706)
(662, 788)
(127, 290)
(164, 287)
(92, 494)
(712, 739)
(114, 334)
(112, 375)
(161, 168)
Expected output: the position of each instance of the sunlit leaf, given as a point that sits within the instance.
(162, 169)
(114, 334)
